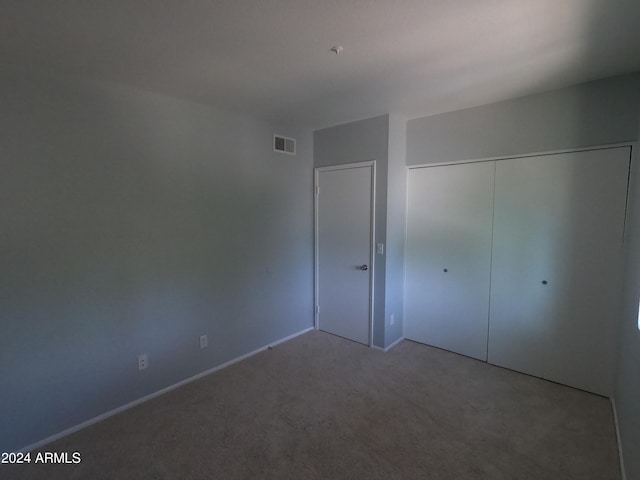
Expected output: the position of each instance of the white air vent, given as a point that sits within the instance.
(284, 144)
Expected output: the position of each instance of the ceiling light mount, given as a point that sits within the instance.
(337, 49)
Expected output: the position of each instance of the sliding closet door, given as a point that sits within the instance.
(558, 226)
(448, 257)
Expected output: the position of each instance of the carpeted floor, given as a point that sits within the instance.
(321, 407)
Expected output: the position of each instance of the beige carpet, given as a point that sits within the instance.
(321, 407)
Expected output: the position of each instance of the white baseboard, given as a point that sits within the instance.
(386, 349)
(115, 411)
(618, 437)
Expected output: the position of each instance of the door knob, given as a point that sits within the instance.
(363, 267)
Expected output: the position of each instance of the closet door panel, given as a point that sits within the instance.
(557, 238)
(448, 257)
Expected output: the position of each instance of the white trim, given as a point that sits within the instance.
(493, 224)
(345, 166)
(372, 253)
(404, 256)
(386, 349)
(316, 307)
(525, 155)
(162, 391)
(634, 159)
(618, 437)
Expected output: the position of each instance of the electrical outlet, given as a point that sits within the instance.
(204, 341)
(143, 361)
(392, 319)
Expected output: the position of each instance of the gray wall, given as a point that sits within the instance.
(628, 381)
(593, 113)
(396, 227)
(362, 141)
(133, 223)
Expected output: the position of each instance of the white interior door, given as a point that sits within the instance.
(557, 243)
(448, 256)
(344, 212)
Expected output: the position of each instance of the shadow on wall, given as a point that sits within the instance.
(627, 388)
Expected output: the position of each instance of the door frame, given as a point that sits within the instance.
(346, 166)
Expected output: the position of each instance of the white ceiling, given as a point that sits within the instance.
(271, 58)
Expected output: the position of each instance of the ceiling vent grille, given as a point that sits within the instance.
(284, 144)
